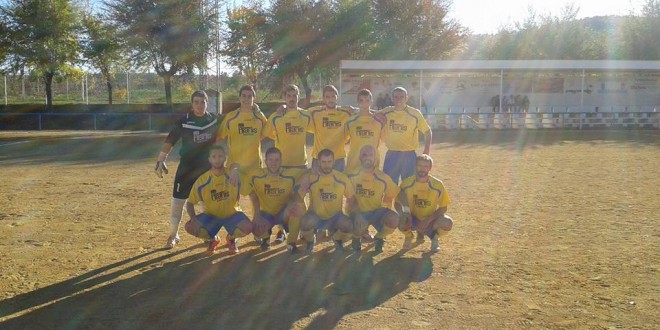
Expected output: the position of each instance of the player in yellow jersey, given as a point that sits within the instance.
(326, 190)
(372, 205)
(273, 194)
(328, 126)
(424, 202)
(288, 128)
(402, 127)
(220, 198)
(363, 129)
(243, 129)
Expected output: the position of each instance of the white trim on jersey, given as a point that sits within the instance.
(200, 128)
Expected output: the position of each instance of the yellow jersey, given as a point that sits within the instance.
(371, 189)
(289, 131)
(328, 126)
(402, 128)
(327, 192)
(424, 198)
(362, 130)
(243, 131)
(274, 191)
(220, 198)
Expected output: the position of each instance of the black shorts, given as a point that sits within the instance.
(186, 174)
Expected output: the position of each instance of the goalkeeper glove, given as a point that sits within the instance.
(160, 168)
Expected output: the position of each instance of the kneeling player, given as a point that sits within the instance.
(374, 194)
(272, 193)
(327, 190)
(424, 202)
(220, 198)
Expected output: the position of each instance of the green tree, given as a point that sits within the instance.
(42, 35)
(171, 36)
(639, 38)
(102, 49)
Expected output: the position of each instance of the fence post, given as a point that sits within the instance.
(150, 122)
(40, 122)
(95, 122)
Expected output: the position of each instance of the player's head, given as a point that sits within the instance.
(423, 165)
(368, 157)
(330, 95)
(399, 96)
(199, 100)
(217, 156)
(326, 161)
(246, 95)
(291, 95)
(364, 99)
(273, 160)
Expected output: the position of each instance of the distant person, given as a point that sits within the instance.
(424, 200)
(220, 197)
(403, 124)
(197, 131)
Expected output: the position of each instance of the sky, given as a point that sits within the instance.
(487, 16)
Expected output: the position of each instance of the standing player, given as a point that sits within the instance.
(243, 130)
(272, 192)
(372, 205)
(402, 127)
(328, 126)
(424, 202)
(288, 128)
(363, 129)
(220, 198)
(197, 131)
(327, 190)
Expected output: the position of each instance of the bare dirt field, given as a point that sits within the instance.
(553, 229)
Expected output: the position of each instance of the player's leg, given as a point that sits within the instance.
(441, 227)
(293, 214)
(385, 222)
(360, 227)
(185, 177)
(308, 225)
(408, 163)
(263, 228)
(391, 165)
(342, 227)
(206, 227)
(339, 165)
(237, 225)
(407, 224)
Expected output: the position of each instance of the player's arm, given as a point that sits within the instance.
(234, 174)
(438, 214)
(161, 167)
(428, 136)
(255, 202)
(190, 209)
(352, 205)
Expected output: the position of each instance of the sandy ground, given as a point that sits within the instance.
(553, 229)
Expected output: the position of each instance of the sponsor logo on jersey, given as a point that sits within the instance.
(327, 196)
(292, 129)
(327, 123)
(201, 136)
(246, 130)
(219, 195)
(273, 191)
(398, 127)
(419, 202)
(364, 192)
(363, 133)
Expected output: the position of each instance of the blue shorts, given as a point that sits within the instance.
(329, 224)
(415, 222)
(400, 164)
(339, 165)
(213, 224)
(375, 217)
(277, 219)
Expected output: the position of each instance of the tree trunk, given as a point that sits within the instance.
(167, 80)
(109, 84)
(308, 90)
(48, 79)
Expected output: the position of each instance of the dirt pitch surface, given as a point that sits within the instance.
(553, 229)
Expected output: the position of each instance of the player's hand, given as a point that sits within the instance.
(261, 225)
(234, 177)
(405, 221)
(281, 109)
(161, 168)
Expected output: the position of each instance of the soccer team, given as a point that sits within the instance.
(221, 160)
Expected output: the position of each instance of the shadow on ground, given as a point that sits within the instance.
(253, 290)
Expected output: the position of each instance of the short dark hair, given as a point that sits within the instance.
(247, 88)
(291, 87)
(273, 150)
(217, 147)
(330, 88)
(325, 153)
(199, 93)
(365, 92)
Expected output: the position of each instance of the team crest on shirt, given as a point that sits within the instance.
(327, 123)
(363, 133)
(398, 127)
(327, 196)
(201, 136)
(273, 191)
(419, 202)
(292, 129)
(246, 130)
(364, 192)
(219, 195)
